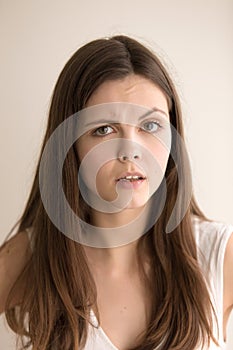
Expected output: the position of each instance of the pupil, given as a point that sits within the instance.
(103, 129)
(149, 126)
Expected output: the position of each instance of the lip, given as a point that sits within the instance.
(136, 184)
(131, 173)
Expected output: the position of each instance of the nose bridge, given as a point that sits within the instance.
(129, 131)
(128, 144)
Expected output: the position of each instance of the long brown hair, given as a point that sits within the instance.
(60, 287)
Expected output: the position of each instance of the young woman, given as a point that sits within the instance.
(125, 259)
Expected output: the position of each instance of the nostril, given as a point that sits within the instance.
(123, 158)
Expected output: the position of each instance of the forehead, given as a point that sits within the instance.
(132, 89)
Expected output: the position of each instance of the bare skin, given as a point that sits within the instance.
(121, 297)
(228, 284)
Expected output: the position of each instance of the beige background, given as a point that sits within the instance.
(194, 38)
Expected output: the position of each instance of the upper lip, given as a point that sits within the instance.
(132, 173)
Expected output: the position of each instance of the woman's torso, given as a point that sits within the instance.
(122, 303)
(119, 326)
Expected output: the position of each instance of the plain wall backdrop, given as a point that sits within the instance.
(193, 37)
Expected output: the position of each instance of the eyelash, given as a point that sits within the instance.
(109, 126)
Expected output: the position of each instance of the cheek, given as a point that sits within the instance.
(106, 175)
(95, 167)
(83, 148)
(87, 165)
(161, 154)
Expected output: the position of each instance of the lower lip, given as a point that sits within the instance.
(130, 184)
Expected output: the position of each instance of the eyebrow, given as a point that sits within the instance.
(154, 109)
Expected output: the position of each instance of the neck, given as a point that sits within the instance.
(118, 260)
(114, 262)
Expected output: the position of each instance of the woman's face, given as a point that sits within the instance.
(136, 141)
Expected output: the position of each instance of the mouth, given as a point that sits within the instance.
(131, 177)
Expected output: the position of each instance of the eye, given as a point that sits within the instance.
(151, 126)
(103, 130)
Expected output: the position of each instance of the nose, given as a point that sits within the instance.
(129, 149)
(124, 158)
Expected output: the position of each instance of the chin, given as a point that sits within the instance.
(137, 203)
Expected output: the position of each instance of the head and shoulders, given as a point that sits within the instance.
(121, 73)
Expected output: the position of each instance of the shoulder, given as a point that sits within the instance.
(14, 255)
(229, 254)
(211, 236)
(228, 275)
(212, 240)
(215, 254)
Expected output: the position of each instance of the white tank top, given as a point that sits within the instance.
(211, 239)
